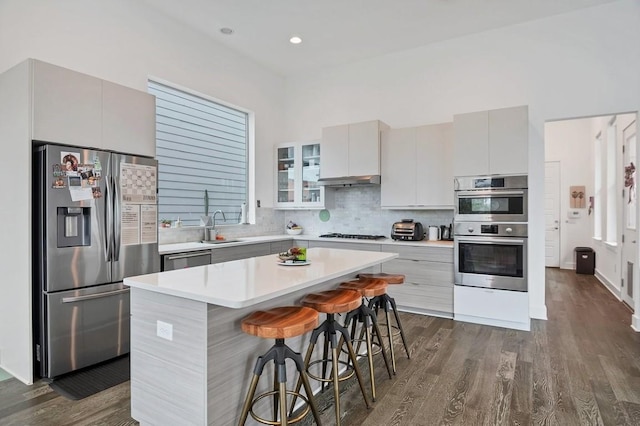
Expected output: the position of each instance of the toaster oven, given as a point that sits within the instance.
(407, 230)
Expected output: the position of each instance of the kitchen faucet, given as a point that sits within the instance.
(214, 217)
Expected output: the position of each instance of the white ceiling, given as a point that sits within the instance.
(341, 31)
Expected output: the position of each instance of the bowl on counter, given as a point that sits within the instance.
(293, 231)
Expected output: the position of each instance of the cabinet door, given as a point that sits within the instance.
(364, 148)
(335, 152)
(399, 164)
(128, 120)
(67, 106)
(434, 175)
(500, 308)
(311, 192)
(471, 144)
(509, 140)
(285, 175)
(276, 247)
(245, 251)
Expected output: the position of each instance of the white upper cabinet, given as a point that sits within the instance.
(128, 120)
(364, 148)
(398, 167)
(351, 149)
(297, 173)
(471, 144)
(491, 142)
(509, 140)
(417, 167)
(434, 153)
(67, 106)
(334, 145)
(76, 109)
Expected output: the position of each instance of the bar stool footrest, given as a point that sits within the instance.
(383, 329)
(377, 348)
(296, 419)
(344, 376)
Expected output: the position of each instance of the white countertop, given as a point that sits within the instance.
(242, 283)
(194, 246)
(197, 245)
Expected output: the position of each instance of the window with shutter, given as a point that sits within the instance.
(201, 145)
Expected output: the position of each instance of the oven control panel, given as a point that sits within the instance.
(490, 229)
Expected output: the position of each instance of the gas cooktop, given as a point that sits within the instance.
(353, 236)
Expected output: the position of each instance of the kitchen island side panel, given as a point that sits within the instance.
(202, 375)
(168, 385)
(233, 355)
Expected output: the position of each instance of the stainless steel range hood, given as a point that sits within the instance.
(350, 181)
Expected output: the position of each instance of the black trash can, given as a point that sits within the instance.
(585, 260)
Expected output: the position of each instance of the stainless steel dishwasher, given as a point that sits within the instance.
(185, 260)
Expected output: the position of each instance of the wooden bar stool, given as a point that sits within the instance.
(387, 302)
(279, 324)
(333, 302)
(367, 317)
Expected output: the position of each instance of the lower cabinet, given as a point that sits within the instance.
(345, 246)
(500, 308)
(190, 259)
(349, 246)
(245, 251)
(226, 254)
(428, 286)
(280, 246)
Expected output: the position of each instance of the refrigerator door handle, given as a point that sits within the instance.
(94, 296)
(108, 223)
(117, 202)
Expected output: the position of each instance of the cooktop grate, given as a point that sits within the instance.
(353, 236)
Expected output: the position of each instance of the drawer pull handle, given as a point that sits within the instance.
(93, 296)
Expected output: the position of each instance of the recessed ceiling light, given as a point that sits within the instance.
(295, 40)
(226, 31)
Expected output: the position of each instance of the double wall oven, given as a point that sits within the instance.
(490, 232)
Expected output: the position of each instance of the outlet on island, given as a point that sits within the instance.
(164, 330)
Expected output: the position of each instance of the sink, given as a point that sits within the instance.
(220, 241)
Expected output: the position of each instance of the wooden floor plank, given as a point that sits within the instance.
(580, 367)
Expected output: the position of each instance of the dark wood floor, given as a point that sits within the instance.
(581, 367)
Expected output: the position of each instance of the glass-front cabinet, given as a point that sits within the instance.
(298, 171)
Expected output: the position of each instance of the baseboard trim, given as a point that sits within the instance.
(635, 322)
(494, 322)
(24, 380)
(427, 312)
(608, 285)
(538, 312)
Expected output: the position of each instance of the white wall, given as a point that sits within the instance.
(119, 41)
(124, 42)
(565, 66)
(571, 143)
(15, 259)
(608, 256)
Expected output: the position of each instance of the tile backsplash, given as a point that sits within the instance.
(354, 211)
(268, 222)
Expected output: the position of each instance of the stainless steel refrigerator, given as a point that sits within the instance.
(94, 223)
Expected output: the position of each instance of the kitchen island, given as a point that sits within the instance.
(190, 361)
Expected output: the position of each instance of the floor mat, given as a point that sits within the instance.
(92, 380)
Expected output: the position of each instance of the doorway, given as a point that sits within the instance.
(589, 155)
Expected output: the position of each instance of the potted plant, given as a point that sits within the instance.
(165, 223)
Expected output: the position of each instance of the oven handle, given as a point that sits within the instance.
(487, 193)
(491, 240)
